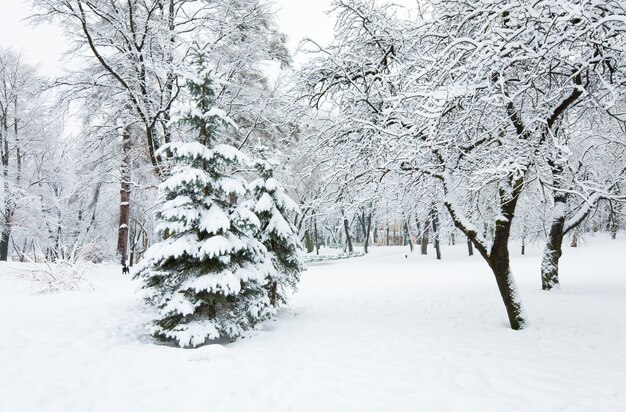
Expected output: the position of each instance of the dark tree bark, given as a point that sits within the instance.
(407, 234)
(435, 220)
(5, 237)
(367, 233)
(125, 188)
(317, 243)
(366, 225)
(346, 227)
(308, 241)
(498, 257)
(553, 251)
(425, 238)
(615, 209)
(7, 210)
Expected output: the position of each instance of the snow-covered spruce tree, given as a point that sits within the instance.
(275, 210)
(206, 277)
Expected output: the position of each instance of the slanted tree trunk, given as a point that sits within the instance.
(498, 257)
(499, 261)
(125, 187)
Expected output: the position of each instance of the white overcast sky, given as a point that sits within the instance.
(45, 45)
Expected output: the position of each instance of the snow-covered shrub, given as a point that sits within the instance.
(97, 252)
(60, 276)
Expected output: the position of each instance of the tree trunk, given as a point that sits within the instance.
(435, 219)
(317, 243)
(407, 234)
(273, 295)
(425, 238)
(375, 234)
(308, 241)
(418, 239)
(615, 209)
(368, 222)
(7, 210)
(500, 265)
(574, 242)
(498, 257)
(346, 227)
(125, 187)
(553, 251)
(4, 242)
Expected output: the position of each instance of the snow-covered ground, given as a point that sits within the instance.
(375, 333)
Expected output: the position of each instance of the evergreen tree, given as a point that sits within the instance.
(275, 209)
(206, 277)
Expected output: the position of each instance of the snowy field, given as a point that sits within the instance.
(376, 333)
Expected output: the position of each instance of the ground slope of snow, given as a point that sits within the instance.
(376, 333)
